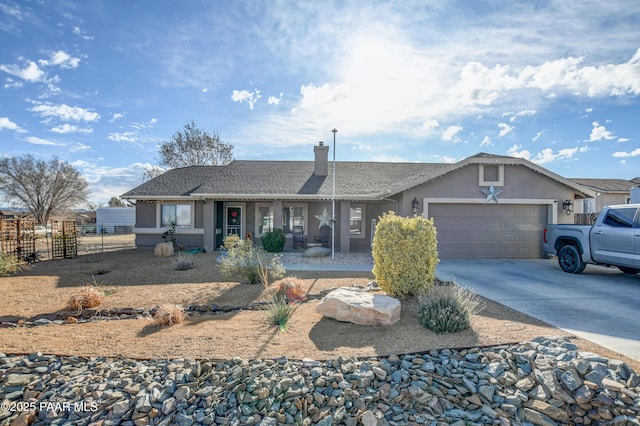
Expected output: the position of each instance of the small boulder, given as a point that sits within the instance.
(351, 304)
(163, 249)
(317, 252)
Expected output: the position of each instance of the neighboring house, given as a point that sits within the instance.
(251, 197)
(607, 192)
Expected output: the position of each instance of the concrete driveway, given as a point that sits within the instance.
(601, 304)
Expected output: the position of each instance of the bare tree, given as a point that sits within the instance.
(117, 202)
(195, 147)
(152, 172)
(42, 187)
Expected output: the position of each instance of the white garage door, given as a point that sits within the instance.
(489, 231)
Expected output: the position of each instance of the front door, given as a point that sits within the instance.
(233, 221)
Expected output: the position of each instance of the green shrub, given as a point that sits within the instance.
(9, 265)
(273, 241)
(405, 254)
(251, 263)
(448, 308)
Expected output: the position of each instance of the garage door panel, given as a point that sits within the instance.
(489, 231)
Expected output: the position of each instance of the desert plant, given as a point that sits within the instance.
(253, 264)
(184, 261)
(273, 241)
(290, 289)
(169, 236)
(168, 314)
(9, 265)
(448, 308)
(89, 296)
(405, 254)
(279, 312)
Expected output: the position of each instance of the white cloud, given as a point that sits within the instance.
(273, 100)
(115, 116)
(79, 147)
(622, 154)
(504, 129)
(450, 133)
(599, 133)
(124, 137)
(545, 156)
(61, 59)
(147, 125)
(445, 158)
(12, 84)
(245, 96)
(518, 152)
(31, 72)
(622, 140)
(65, 112)
(537, 136)
(67, 128)
(486, 141)
(39, 141)
(6, 123)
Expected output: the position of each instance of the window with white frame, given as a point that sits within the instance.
(264, 217)
(356, 221)
(180, 214)
(292, 216)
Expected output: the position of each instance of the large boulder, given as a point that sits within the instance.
(163, 249)
(351, 304)
(317, 252)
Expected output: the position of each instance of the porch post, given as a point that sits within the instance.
(345, 227)
(209, 237)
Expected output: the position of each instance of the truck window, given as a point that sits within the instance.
(620, 218)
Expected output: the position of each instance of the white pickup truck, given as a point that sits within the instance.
(614, 240)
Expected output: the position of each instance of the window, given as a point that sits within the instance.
(356, 221)
(292, 216)
(491, 174)
(180, 214)
(620, 218)
(265, 219)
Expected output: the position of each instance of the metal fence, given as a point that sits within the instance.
(585, 218)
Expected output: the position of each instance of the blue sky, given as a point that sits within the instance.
(102, 84)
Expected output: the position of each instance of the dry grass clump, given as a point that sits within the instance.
(290, 288)
(87, 297)
(168, 314)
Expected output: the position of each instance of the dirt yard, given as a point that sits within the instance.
(135, 278)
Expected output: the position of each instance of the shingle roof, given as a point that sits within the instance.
(286, 179)
(244, 179)
(606, 185)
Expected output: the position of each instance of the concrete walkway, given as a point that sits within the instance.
(328, 267)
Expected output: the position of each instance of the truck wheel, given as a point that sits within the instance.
(628, 270)
(570, 261)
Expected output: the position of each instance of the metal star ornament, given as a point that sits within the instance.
(324, 218)
(491, 193)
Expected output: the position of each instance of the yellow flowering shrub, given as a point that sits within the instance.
(405, 254)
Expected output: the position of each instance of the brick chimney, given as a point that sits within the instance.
(322, 159)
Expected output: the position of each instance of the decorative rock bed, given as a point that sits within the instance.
(542, 382)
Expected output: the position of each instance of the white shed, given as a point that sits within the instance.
(115, 220)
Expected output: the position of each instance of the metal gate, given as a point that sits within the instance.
(64, 239)
(18, 239)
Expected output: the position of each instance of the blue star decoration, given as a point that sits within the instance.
(491, 193)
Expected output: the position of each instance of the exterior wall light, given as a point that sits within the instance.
(414, 205)
(567, 206)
